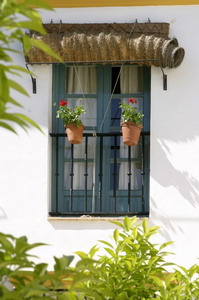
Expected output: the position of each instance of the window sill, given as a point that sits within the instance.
(90, 218)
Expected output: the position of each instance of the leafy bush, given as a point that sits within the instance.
(134, 268)
(30, 280)
(129, 267)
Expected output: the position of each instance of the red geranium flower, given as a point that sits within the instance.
(132, 100)
(63, 103)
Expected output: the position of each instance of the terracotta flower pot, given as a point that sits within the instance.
(131, 133)
(74, 133)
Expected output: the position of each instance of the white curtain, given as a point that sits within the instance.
(129, 80)
(81, 80)
(129, 83)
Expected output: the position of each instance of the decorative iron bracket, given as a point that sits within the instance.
(34, 84)
(164, 80)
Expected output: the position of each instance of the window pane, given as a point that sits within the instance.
(135, 179)
(79, 149)
(79, 176)
(81, 80)
(135, 204)
(115, 112)
(119, 168)
(115, 82)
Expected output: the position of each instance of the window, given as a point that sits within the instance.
(101, 176)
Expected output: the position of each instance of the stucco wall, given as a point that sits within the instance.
(174, 181)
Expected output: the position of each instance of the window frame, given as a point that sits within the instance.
(59, 93)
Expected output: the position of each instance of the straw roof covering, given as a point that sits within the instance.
(143, 43)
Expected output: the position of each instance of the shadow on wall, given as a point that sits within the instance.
(167, 175)
(2, 214)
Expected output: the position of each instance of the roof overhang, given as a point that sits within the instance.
(142, 43)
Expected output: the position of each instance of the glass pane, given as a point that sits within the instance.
(119, 178)
(115, 112)
(135, 204)
(89, 118)
(81, 80)
(135, 150)
(79, 149)
(115, 80)
(120, 167)
(135, 178)
(79, 176)
(114, 176)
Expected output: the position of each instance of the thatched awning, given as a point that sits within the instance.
(143, 43)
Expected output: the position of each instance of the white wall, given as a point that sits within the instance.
(174, 182)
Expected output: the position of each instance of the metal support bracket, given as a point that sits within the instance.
(34, 84)
(164, 80)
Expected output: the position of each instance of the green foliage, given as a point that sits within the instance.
(30, 280)
(129, 267)
(16, 17)
(126, 270)
(130, 113)
(134, 268)
(70, 115)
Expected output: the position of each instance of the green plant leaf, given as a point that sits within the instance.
(13, 118)
(118, 224)
(68, 296)
(40, 269)
(63, 262)
(184, 269)
(106, 243)
(145, 226)
(122, 296)
(44, 47)
(14, 102)
(14, 85)
(20, 119)
(116, 235)
(4, 86)
(29, 121)
(31, 26)
(81, 254)
(165, 245)
(111, 252)
(127, 223)
(5, 242)
(19, 68)
(154, 229)
(160, 283)
(170, 278)
(8, 127)
(93, 251)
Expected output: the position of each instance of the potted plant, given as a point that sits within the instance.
(131, 122)
(72, 123)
